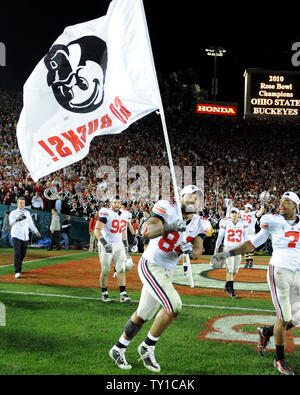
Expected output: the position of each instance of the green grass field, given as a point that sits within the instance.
(51, 330)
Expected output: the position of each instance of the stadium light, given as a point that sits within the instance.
(215, 52)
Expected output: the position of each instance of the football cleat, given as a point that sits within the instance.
(148, 357)
(105, 297)
(124, 298)
(233, 295)
(118, 355)
(283, 367)
(263, 341)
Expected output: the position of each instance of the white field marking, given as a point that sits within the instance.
(134, 301)
(209, 282)
(43, 259)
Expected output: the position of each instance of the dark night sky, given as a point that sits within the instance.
(179, 33)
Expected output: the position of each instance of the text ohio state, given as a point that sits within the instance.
(66, 143)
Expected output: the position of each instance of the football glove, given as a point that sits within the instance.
(217, 260)
(187, 248)
(108, 248)
(178, 226)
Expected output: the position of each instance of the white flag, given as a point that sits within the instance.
(97, 78)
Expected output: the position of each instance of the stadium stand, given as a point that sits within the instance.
(241, 157)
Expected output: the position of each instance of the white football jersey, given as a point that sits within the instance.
(285, 240)
(127, 215)
(250, 219)
(115, 223)
(165, 250)
(233, 234)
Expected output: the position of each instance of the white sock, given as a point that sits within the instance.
(124, 341)
(153, 338)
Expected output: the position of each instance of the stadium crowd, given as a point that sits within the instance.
(241, 157)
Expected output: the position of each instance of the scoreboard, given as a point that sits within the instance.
(271, 93)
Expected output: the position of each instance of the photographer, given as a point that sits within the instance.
(20, 221)
(6, 236)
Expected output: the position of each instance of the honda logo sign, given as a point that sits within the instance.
(216, 109)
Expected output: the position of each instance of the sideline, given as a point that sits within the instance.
(135, 301)
(51, 257)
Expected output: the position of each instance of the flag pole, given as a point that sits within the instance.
(176, 194)
(164, 126)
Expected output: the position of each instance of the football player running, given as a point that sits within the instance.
(111, 233)
(283, 273)
(156, 268)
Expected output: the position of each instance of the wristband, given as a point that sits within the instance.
(103, 241)
(125, 243)
(231, 253)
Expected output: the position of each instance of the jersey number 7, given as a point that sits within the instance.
(295, 235)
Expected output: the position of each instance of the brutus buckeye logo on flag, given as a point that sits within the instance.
(76, 73)
(97, 79)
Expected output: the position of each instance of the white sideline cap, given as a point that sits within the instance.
(293, 197)
(190, 189)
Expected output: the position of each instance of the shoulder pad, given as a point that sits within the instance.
(203, 218)
(161, 207)
(103, 211)
(208, 229)
(267, 219)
